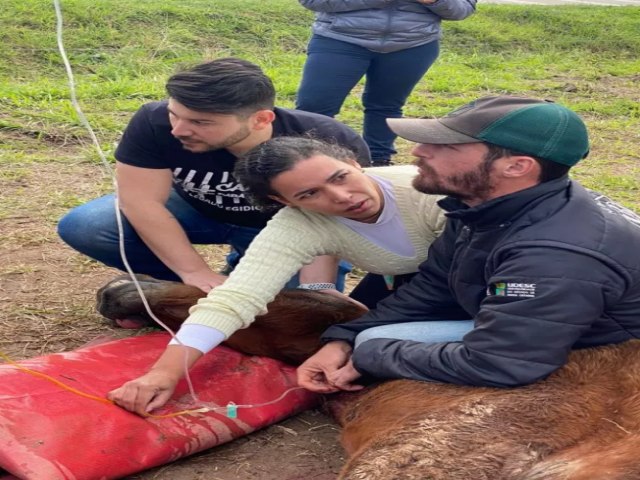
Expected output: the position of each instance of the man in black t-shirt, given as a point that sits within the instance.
(175, 174)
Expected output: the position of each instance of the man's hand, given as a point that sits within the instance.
(145, 393)
(344, 377)
(313, 374)
(205, 280)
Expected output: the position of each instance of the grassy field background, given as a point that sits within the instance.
(122, 52)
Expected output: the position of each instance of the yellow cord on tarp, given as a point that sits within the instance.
(231, 408)
(53, 380)
(81, 393)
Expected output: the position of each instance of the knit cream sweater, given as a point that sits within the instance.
(294, 237)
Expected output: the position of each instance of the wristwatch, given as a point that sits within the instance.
(317, 286)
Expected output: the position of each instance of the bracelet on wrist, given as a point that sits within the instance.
(317, 286)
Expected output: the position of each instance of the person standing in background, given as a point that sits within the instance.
(392, 42)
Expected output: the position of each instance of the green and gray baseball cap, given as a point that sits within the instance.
(539, 128)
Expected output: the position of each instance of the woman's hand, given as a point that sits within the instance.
(145, 393)
(154, 389)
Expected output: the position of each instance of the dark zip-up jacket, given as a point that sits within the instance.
(541, 272)
(385, 25)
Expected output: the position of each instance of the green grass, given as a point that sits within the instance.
(122, 51)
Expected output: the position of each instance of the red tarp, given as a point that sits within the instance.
(48, 433)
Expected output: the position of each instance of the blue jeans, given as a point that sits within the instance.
(426, 332)
(334, 67)
(92, 230)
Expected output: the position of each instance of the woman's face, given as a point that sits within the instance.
(325, 185)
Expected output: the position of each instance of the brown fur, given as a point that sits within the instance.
(290, 331)
(582, 423)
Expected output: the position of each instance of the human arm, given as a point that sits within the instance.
(289, 241)
(142, 194)
(315, 372)
(450, 9)
(154, 389)
(427, 295)
(323, 269)
(522, 334)
(344, 5)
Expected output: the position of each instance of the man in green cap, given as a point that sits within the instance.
(530, 266)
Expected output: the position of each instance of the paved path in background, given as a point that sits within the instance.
(617, 3)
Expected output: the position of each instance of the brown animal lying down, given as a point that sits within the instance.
(581, 423)
(289, 332)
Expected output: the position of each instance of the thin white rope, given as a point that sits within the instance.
(107, 167)
(231, 407)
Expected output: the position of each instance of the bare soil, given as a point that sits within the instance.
(47, 300)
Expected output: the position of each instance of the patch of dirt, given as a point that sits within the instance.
(301, 447)
(47, 300)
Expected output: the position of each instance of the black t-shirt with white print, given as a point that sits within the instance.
(205, 180)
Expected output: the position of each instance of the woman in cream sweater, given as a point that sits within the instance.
(372, 218)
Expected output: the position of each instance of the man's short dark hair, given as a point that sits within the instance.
(549, 170)
(227, 85)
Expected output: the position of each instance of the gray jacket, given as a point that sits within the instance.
(385, 25)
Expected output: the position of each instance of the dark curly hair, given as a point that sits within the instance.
(258, 167)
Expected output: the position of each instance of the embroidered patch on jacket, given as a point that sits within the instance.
(508, 289)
